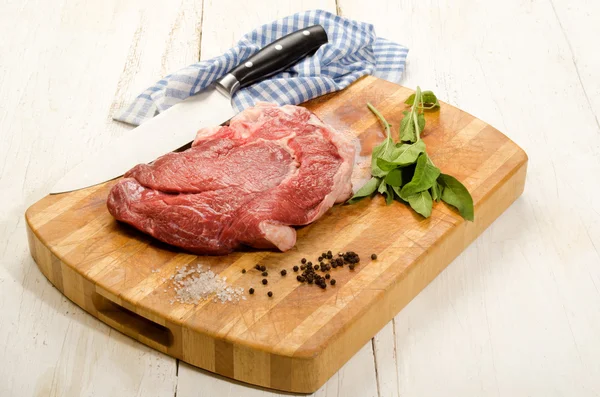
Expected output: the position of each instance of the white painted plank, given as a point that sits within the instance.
(355, 379)
(578, 22)
(516, 313)
(223, 24)
(65, 66)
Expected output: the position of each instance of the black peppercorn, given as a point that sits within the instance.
(300, 278)
(334, 265)
(303, 261)
(323, 285)
(352, 266)
(295, 268)
(264, 281)
(351, 257)
(263, 268)
(264, 274)
(319, 259)
(243, 270)
(309, 264)
(328, 276)
(332, 282)
(257, 267)
(251, 291)
(316, 267)
(270, 294)
(373, 256)
(283, 272)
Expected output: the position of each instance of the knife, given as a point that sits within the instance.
(177, 126)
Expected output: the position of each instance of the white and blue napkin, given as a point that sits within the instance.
(353, 51)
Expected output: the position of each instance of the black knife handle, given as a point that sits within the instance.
(273, 58)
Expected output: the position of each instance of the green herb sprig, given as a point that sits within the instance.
(404, 172)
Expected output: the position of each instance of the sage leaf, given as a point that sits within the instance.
(421, 122)
(366, 190)
(397, 195)
(385, 166)
(424, 178)
(381, 151)
(407, 128)
(457, 195)
(377, 152)
(394, 178)
(406, 153)
(410, 100)
(382, 188)
(421, 202)
(436, 191)
(428, 100)
(389, 195)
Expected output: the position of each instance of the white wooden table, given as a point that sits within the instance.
(517, 314)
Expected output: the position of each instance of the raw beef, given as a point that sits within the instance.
(242, 184)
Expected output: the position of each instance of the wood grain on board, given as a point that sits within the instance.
(297, 339)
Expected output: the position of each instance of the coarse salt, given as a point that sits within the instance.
(196, 284)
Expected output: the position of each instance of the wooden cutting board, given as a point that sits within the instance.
(301, 336)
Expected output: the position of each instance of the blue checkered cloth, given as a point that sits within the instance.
(353, 51)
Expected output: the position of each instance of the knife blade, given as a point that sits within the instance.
(177, 126)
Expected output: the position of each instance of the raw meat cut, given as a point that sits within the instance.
(242, 184)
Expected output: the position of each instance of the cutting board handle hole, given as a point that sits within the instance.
(131, 323)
